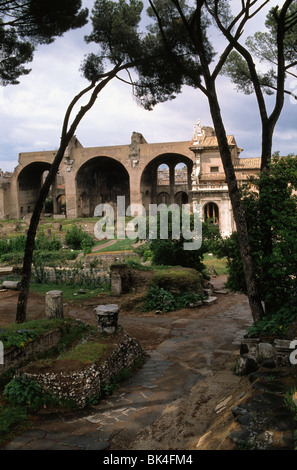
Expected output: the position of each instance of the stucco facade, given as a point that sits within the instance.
(167, 172)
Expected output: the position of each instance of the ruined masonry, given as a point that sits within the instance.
(167, 172)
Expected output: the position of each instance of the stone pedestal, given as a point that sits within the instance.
(107, 317)
(54, 304)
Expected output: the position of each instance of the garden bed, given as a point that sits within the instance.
(82, 379)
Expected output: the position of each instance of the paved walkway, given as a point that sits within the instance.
(167, 404)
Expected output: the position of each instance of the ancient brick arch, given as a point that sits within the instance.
(156, 188)
(30, 180)
(211, 212)
(100, 180)
(90, 176)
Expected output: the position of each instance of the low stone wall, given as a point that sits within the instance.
(16, 357)
(108, 258)
(79, 385)
(256, 353)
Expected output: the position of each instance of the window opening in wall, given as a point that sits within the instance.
(211, 213)
(214, 169)
(181, 174)
(163, 175)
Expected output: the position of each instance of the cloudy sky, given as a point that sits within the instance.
(31, 113)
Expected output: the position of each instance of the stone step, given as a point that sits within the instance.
(6, 270)
(209, 301)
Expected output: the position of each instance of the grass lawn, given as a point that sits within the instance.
(219, 265)
(119, 245)
(68, 291)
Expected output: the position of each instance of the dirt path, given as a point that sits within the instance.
(170, 403)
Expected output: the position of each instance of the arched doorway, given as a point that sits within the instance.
(181, 198)
(101, 180)
(211, 213)
(30, 181)
(168, 174)
(163, 198)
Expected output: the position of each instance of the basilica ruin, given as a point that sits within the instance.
(166, 172)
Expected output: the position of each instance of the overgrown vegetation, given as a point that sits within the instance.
(78, 239)
(20, 397)
(171, 252)
(87, 353)
(178, 280)
(14, 336)
(274, 256)
(47, 248)
(160, 299)
(291, 401)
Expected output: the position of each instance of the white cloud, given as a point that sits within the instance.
(31, 113)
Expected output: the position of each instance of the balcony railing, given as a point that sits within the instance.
(211, 187)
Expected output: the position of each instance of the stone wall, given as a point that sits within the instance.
(16, 357)
(79, 385)
(256, 353)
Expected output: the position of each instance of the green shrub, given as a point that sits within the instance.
(161, 299)
(171, 252)
(18, 338)
(47, 243)
(276, 324)
(272, 226)
(137, 265)
(13, 419)
(4, 247)
(12, 258)
(22, 391)
(77, 238)
(52, 258)
(70, 331)
(87, 244)
(290, 401)
(178, 280)
(12, 245)
(12, 250)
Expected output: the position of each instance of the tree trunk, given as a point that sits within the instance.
(265, 207)
(29, 248)
(239, 216)
(65, 139)
(234, 194)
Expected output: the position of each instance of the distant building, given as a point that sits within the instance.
(167, 172)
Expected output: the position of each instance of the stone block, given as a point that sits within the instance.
(11, 285)
(209, 301)
(266, 350)
(54, 304)
(107, 317)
